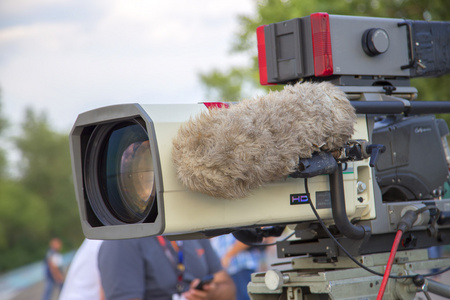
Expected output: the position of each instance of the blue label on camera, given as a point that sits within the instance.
(299, 199)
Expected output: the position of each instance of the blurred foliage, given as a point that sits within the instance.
(24, 225)
(224, 86)
(271, 11)
(39, 203)
(47, 172)
(3, 126)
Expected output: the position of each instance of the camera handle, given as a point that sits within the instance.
(356, 232)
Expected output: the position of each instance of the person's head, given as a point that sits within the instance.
(56, 244)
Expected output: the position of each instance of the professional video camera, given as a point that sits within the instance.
(345, 183)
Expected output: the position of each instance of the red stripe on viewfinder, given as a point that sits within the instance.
(211, 105)
(323, 59)
(262, 55)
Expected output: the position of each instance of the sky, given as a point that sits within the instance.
(64, 57)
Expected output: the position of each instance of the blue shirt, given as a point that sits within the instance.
(248, 259)
(139, 268)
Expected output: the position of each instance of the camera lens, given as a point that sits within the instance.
(119, 173)
(128, 172)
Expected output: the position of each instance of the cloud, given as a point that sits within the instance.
(65, 57)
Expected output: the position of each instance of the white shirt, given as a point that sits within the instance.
(83, 278)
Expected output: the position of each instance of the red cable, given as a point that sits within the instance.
(397, 240)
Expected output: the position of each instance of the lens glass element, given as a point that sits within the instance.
(129, 175)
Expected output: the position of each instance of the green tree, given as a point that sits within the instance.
(46, 172)
(224, 86)
(24, 226)
(3, 126)
(270, 11)
(24, 220)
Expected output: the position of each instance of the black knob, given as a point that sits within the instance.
(374, 150)
(375, 41)
(419, 280)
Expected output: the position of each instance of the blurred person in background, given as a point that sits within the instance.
(83, 277)
(240, 261)
(158, 269)
(54, 277)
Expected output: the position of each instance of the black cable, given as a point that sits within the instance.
(331, 235)
(349, 255)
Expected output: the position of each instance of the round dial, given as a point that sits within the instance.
(375, 41)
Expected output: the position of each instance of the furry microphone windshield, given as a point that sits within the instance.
(227, 152)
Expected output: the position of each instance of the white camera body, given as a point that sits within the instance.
(176, 210)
